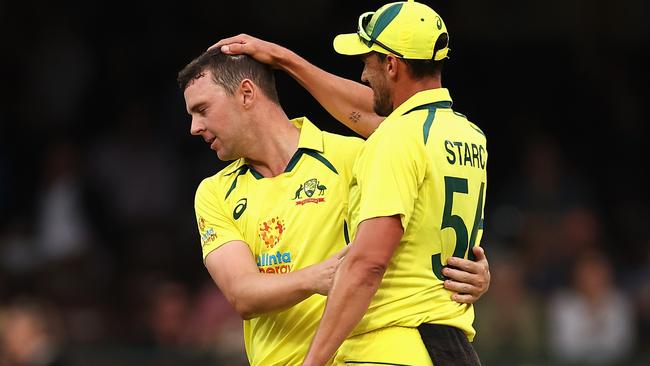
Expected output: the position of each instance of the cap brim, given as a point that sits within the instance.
(350, 44)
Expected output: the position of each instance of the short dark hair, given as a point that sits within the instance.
(228, 71)
(424, 68)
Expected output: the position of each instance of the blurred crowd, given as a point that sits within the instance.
(100, 259)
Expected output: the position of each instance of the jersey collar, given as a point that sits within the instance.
(311, 137)
(421, 98)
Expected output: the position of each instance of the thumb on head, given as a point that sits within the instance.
(233, 48)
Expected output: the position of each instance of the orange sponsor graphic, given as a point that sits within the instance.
(270, 231)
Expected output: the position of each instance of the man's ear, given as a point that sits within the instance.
(247, 93)
(391, 65)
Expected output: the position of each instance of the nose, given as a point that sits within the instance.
(364, 78)
(196, 128)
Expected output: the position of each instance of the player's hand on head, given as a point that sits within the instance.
(469, 280)
(262, 51)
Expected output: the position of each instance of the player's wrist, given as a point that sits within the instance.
(286, 60)
(307, 279)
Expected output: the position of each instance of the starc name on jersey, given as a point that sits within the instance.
(466, 154)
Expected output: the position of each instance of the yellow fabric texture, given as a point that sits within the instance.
(386, 346)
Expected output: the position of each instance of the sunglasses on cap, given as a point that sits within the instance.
(364, 19)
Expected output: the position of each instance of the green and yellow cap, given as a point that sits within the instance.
(406, 29)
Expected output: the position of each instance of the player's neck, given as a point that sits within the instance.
(273, 144)
(407, 88)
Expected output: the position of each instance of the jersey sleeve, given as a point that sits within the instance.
(216, 227)
(390, 174)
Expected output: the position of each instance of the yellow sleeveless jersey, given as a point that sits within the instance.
(289, 222)
(427, 164)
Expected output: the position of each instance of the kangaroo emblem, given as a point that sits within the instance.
(298, 193)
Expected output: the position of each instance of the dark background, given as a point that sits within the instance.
(99, 253)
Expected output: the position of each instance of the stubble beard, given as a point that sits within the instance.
(382, 103)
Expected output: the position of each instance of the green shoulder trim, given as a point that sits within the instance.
(475, 127)
(322, 159)
(314, 154)
(256, 174)
(427, 124)
(431, 107)
(240, 171)
(460, 114)
(294, 160)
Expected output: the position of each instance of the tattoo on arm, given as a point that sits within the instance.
(355, 116)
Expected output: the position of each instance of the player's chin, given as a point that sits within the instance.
(225, 155)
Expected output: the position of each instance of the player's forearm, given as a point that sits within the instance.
(350, 102)
(355, 284)
(257, 294)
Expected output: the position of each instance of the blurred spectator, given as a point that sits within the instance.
(215, 327)
(169, 313)
(134, 175)
(535, 214)
(591, 323)
(554, 247)
(31, 334)
(61, 227)
(509, 318)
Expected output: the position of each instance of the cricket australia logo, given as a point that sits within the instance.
(270, 231)
(309, 188)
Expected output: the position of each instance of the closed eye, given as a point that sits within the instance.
(198, 109)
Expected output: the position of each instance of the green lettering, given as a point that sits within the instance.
(449, 146)
(468, 156)
(481, 150)
(460, 153)
(475, 155)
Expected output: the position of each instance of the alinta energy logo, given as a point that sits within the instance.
(270, 231)
(279, 262)
(309, 188)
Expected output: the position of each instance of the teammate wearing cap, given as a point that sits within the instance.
(279, 209)
(421, 175)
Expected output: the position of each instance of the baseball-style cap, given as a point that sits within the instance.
(406, 29)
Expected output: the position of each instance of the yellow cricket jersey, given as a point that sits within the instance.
(289, 222)
(426, 163)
